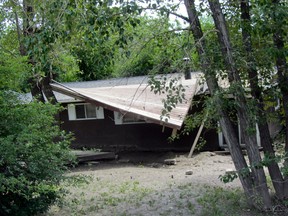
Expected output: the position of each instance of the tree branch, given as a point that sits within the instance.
(167, 11)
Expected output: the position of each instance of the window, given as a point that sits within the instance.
(85, 111)
(222, 141)
(127, 118)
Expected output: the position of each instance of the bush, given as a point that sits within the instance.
(34, 155)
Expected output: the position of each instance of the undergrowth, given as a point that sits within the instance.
(102, 197)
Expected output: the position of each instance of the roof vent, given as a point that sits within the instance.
(186, 68)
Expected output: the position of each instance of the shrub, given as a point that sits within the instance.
(34, 155)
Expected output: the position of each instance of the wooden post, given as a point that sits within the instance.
(174, 132)
(196, 139)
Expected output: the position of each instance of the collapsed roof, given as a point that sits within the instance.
(131, 95)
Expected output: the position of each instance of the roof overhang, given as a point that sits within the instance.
(135, 99)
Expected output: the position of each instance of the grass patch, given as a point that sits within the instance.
(102, 197)
(99, 195)
(218, 201)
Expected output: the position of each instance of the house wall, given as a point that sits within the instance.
(105, 135)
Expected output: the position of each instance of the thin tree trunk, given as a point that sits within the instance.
(36, 89)
(35, 84)
(266, 142)
(225, 123)
(47, 90)
(28, 16)
(242, 109)
(22, 49)
(40, 86)
(282, 72)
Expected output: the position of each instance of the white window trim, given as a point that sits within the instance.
(221, 136)
(118, 118)
(72, 112)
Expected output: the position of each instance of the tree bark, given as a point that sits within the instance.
(40, 86)
(242, 109)
(225, 123)
(22, 49)
(282, 72)
(35, 84)
(47, 90)
(28, 16)
(36, 89)
(266, 142)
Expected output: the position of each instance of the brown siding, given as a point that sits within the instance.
(104, 134)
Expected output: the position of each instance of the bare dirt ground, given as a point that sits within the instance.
(142, 184)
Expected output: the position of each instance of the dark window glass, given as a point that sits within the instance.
(80, 111)
(128, 118)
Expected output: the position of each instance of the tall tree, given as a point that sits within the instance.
(225, 122)
(237, 77)
(246, 121)
(106, 30)
(279, 18)
(256, 92)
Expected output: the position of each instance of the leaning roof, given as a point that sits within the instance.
(131, 95)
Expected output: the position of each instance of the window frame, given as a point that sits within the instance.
(72, 115)
(119, 119)
(222, 141)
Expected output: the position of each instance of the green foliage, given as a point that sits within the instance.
(14, 72)
(267, 160)
(175, 93)
(200, 144)
(98, 32)
(228, 176)
(34, 155)
(14, 69)
(64, 64)
(95, 63)
(213, 199)
(157, 48)
(99, 194)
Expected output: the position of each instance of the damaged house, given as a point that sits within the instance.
(126, 114)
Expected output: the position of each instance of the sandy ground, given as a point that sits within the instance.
(150, 169)
(142, 184)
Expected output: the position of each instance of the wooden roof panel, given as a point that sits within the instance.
(135, 99)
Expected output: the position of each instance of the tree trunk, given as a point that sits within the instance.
(225, 123)
(40, 86)
(242, 108)
(47, 90)
(28, 16)
(35, 84)
(22, 49)
(36, 89)
(266, 141)
(282, 72)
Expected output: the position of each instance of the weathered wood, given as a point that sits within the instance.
(174, 132)
(83, 156)
(196, 139)
(170, 161)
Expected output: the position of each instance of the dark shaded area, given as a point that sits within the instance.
(104, 134)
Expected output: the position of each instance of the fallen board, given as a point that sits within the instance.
(83, 156)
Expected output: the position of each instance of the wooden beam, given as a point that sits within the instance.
(174, 132)
(196, 139)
